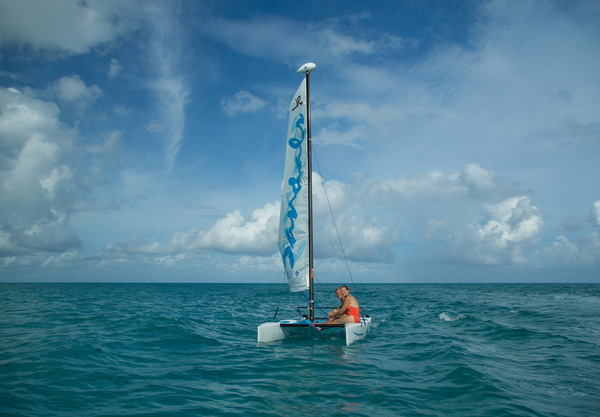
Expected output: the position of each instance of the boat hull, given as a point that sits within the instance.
(357, 331)
(270, 332)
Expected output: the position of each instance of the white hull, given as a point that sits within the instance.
(270, 332)
(357, 331)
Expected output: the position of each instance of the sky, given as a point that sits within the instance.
(455, 141)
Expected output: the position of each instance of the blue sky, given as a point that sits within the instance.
(144, 141)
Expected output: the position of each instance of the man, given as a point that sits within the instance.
(338, 293)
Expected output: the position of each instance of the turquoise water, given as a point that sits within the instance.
(171, 349)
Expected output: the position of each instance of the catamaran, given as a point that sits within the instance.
(296, 225)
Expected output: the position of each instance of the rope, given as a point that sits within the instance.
(314, 153)
(283, 287)
(308, 299)
(333, 217)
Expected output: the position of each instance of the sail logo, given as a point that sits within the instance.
(288, 250)
(298, 102)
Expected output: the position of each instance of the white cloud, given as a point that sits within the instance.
(595, 213)
(512, 227)
(356, 123)
(54, 180)
(41, 181)
(67, 258)
(473, 183)
(105, 156)
(121, 110)
(477, 179)
(364, 239)
(171, 261)
(332, 135)
(231, 234)
(72, 26)
(434, 227)
(435, 184)
(172, 93)
(114, 69)
(471, 231)
(170, 86)
(341, 45)
(583, 251)
(513, 220)
(37, 192)
(242, 102)
(22, 117)
(73, 90)
(280, 38)
(366, 231)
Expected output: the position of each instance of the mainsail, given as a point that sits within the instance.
(293, 219)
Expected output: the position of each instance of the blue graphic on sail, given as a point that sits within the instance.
(293, 218)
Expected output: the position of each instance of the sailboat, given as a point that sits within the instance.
(296, 225)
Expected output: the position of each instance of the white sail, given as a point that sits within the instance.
(293, 220)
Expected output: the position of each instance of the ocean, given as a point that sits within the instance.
(191, 350)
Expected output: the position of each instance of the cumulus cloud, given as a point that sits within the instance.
(41, 181)
(231, 234)
(356, 232)
(234, 234)
(37, 178)
(23, 116)
(364, 239)
(512, 225)
(477, 230)
(477, 179)
(583, 251)
(242, 102)
(73, 90)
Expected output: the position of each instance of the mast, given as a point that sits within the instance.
(307, 69)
